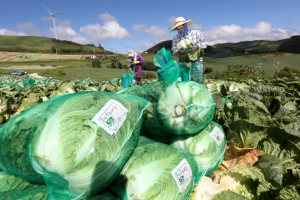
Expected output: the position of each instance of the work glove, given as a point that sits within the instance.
(194, 48)
(136, 62)
(182, 52)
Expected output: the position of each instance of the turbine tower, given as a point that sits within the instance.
(53, 19)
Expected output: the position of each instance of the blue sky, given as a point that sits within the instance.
(120, 25)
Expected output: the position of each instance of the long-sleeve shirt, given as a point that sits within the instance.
(194, 35)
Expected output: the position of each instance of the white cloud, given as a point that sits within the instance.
(29, 29)
(65, 32)
(105, 17)
(195, 26)
(233, 33)
(171, 21)
(93, 32)
(155, 35)
(4, 31)
(109, 30)
(139, 27)
(144, 46)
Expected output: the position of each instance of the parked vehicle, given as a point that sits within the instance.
(18, 73)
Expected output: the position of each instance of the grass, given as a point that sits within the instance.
(71, 69)
(96, 74)
(267, 61)
(81, 69)
(44, 45)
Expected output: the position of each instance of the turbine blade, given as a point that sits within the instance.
(59, 13)
(47, 9)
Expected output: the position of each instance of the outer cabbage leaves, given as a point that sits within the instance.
(13, 187)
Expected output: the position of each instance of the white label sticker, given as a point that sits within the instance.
(182, 175)
(111, 116)
(217, 135)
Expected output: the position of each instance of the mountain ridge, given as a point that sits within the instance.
(288, 45)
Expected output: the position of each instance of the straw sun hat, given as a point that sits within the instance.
(179, 21)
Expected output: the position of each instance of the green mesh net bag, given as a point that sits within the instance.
(13, 187)
(207, 146)
(76, 143)
(176, 108)
(169, 70)
(157, 171)
(185, 107)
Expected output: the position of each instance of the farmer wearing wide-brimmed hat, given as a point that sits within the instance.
(193, 52)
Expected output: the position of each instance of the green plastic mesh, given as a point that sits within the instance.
(169, 70)
(207, 147)
(57, 143)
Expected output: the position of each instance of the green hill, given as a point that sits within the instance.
(33, 44)
(46, 45)
(166, 44)
(290, 45)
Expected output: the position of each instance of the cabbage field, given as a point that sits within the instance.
(81, 139)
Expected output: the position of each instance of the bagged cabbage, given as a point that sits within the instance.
(75, 143)
(186, 107)
(207, 146)
(176, 108)
(157, 171)
(151, 92)
(168, 67)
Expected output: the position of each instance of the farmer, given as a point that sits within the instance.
(193, 54)
(136, 65)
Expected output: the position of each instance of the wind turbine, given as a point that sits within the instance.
(53, 19)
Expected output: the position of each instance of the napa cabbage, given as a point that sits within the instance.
(207, 147)
(157, 171)
(187, 45)
(185, 107)
(176, 108)
(75, 143)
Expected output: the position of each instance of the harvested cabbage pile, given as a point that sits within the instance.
(157, 171)
(76, 144)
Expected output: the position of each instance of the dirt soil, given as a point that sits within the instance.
(20, 56)
(35, 75)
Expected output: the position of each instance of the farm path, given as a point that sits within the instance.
(35, 75)
(22, 56)
(26, 57)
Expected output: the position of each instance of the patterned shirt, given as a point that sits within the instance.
(194, 35)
